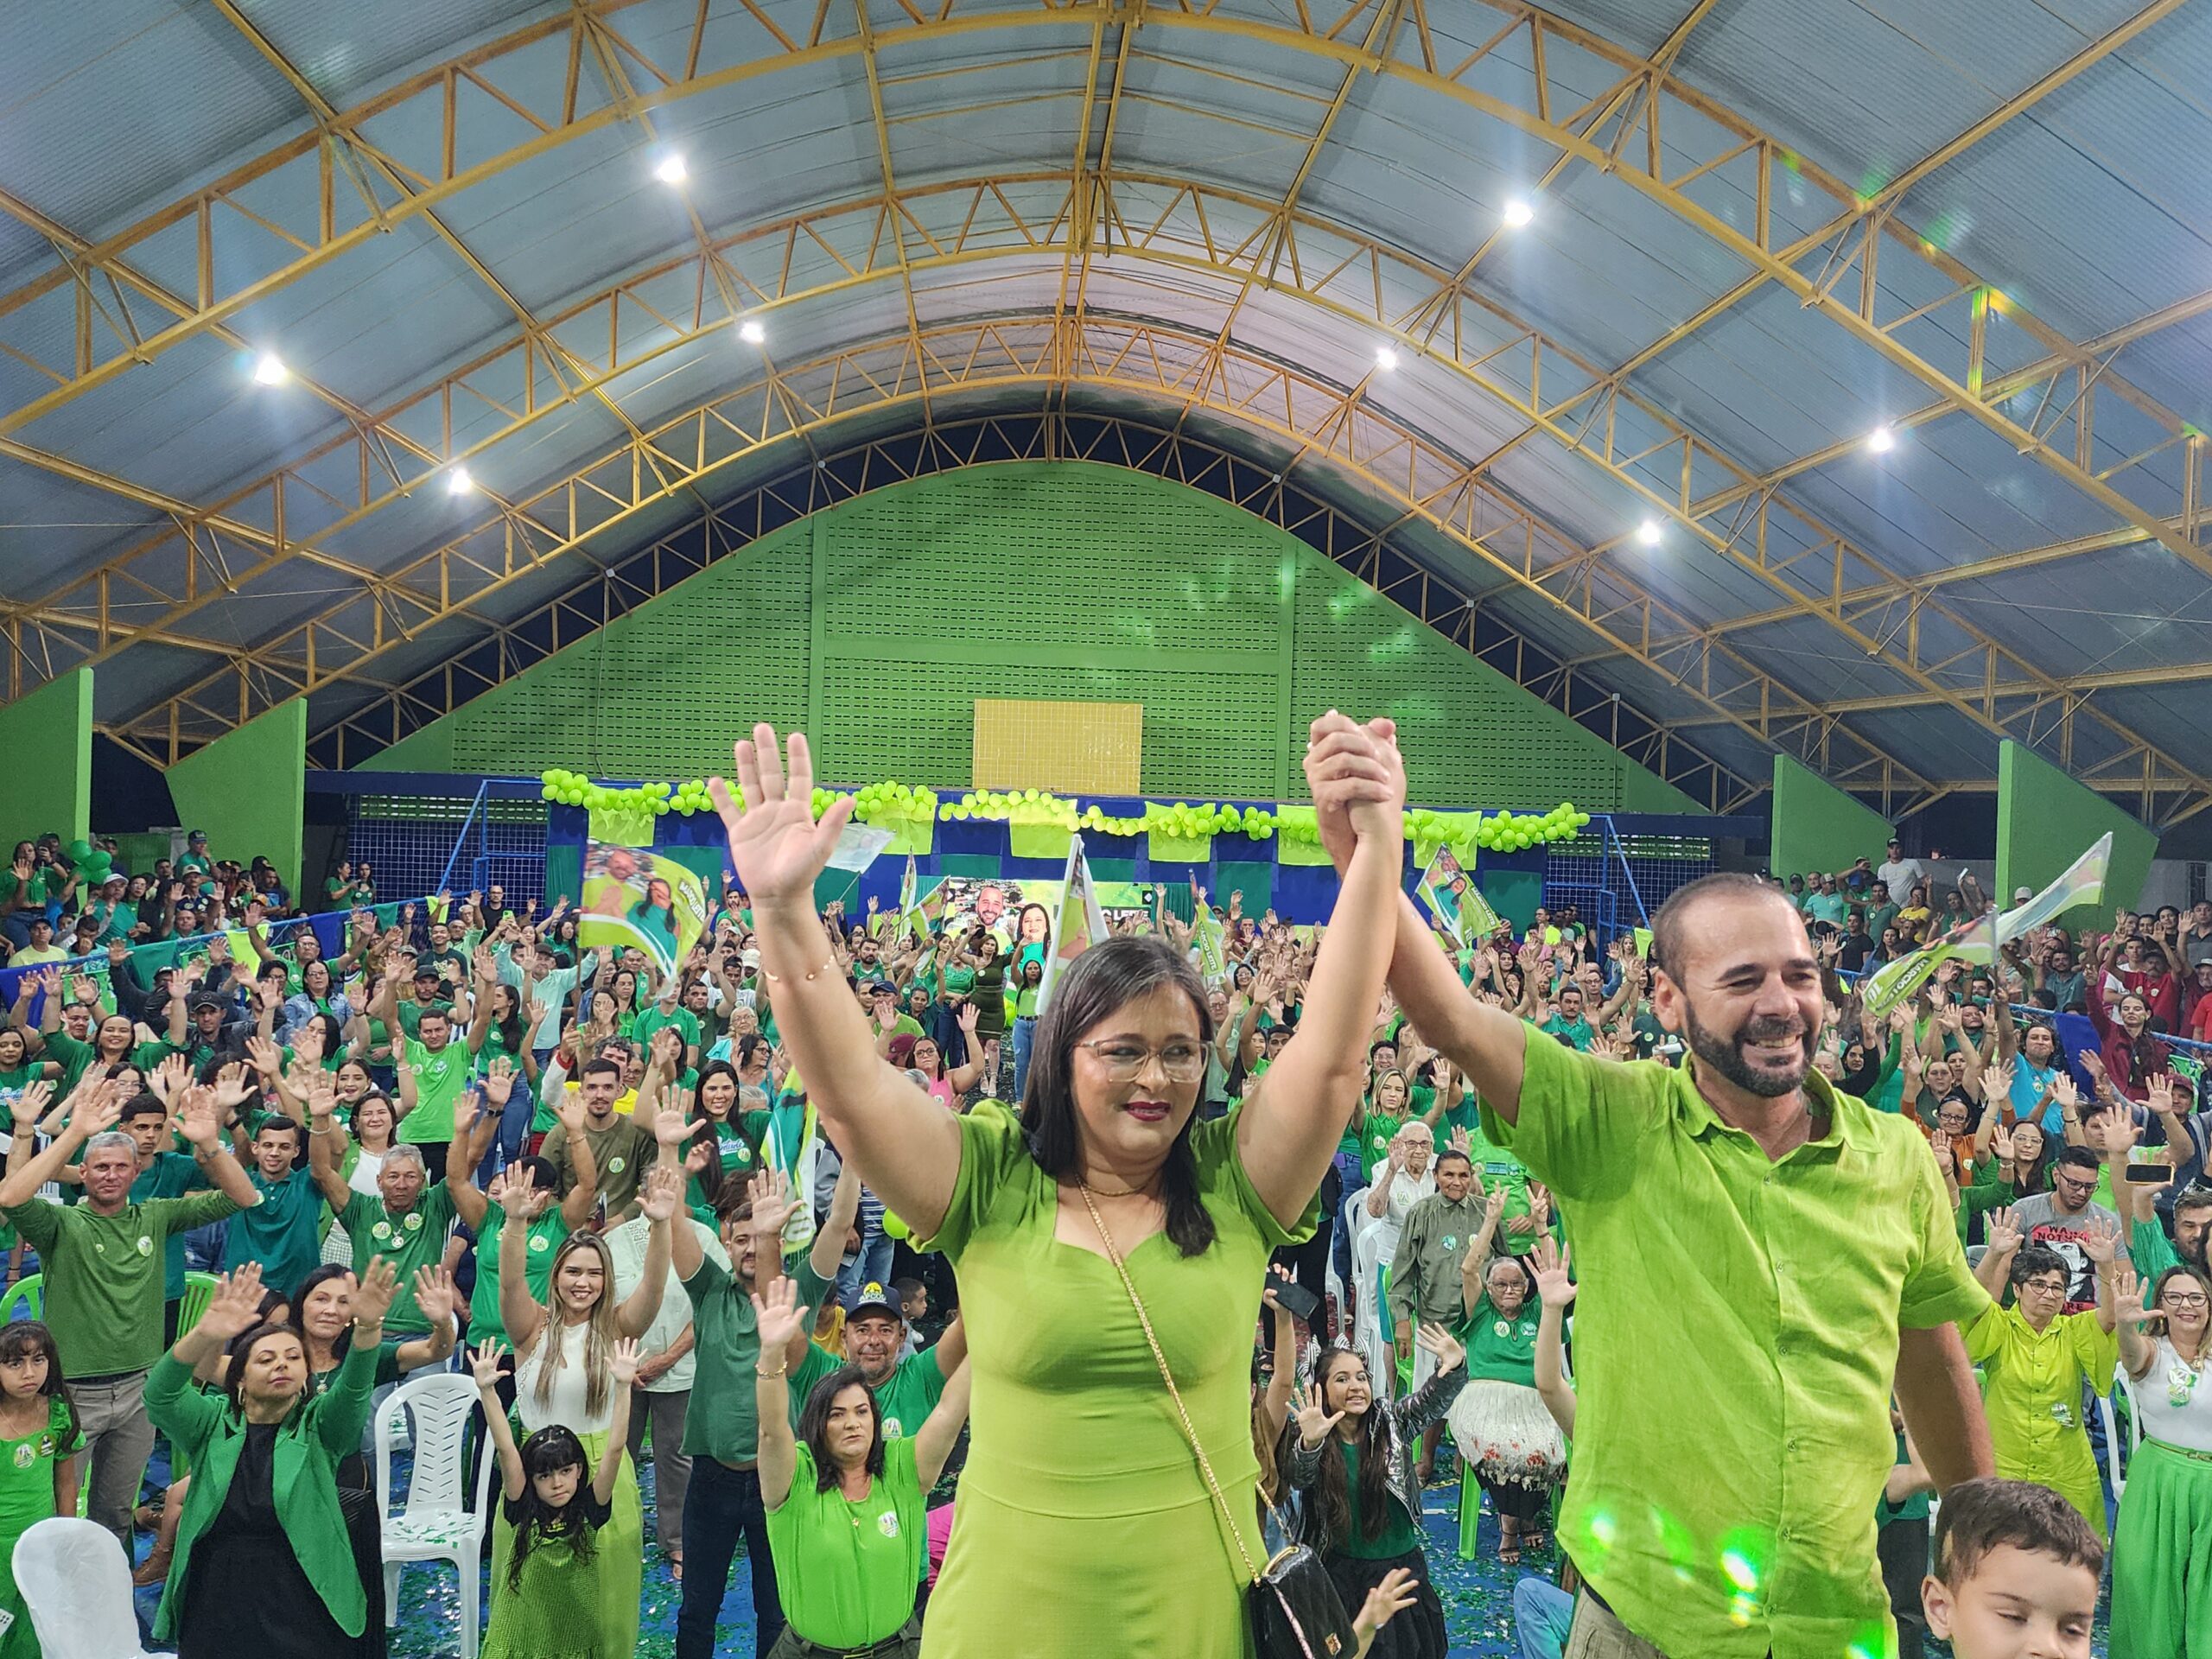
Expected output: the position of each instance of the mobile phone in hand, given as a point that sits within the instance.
(1301, 1303)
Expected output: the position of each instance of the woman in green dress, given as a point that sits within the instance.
(39, 1444)
(847, 1523)
(1086, 1524)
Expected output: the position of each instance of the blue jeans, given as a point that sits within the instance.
(1024, 1033)
(871, 1267)
(721, 1505)
(514, 1125)
(1542, 1615)
(1340, 1246)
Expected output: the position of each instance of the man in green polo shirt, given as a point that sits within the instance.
(906, 1390)
(407, 1219)
(102, 1262)
(1759, 1255)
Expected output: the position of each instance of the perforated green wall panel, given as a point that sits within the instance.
(876, 623)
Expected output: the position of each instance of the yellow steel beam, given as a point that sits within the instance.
(1877, 209)
(1016, 356)
(1183, 242)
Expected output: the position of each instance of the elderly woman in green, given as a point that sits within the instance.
(264, 1564)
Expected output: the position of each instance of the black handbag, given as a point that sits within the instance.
(1291, 1604)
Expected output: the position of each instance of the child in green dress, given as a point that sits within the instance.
(38, 1470)
(546, 1605)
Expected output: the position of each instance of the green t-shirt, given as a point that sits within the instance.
(439, 1079)
(1829, 907)
(199, 862)
(1499, 1349)
(1577, 1031)
(417, 1239)
(283, 1232)
(654, 1018)
(76, 1058)
(102, 1278)
(905, 1399)
(1913, 1509)
(722, 1420)
(171, 1175)
(546, 1234)
(1398, 1536)
(1376, 1129)
(847, 1570)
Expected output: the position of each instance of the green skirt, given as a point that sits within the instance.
(2162, 1556)
(565, 1608)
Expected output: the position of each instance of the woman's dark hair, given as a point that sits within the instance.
(27, 1337)
(1330, 1500)
(321, 1275)
(713, 1177)
(1102, 980)
(750, 1044)
(548, 1452)
(2036, 1260)
(814, 1424)
(241, 1348)
(509, 1030)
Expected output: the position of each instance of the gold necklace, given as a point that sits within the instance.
(1123, 1192)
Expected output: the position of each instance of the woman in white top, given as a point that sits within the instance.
(2162, 1552)
(564, 1349)
(1402, 1182)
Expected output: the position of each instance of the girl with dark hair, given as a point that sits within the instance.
(264, 1564)
(1083, 1510)
(847, 1524)
(725, 1148)
(1351, 1456)
(546, 1603)
(39, 1443)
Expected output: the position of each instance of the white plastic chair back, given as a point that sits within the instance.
(1367, 1328)
(76, 1584)
(440, 1523)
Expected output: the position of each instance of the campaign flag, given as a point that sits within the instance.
(1443, 888)
(1080, 923)
(1979, 940)
(1207, 933)
(907, 884)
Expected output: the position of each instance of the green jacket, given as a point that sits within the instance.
(304, 1478)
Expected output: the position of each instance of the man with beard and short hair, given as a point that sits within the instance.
(2147, 1244)
(1764, 1260)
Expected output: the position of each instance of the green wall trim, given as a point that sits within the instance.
(1816, 827)
(248, 790)
(2045, 821)
(46, 736)
(876, 624)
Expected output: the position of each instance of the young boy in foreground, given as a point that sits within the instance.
(2015, 1574)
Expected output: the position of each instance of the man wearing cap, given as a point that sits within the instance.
(1896, 871)
(194, 856)
(41, 948)
(884, 1017)
(906, 1389)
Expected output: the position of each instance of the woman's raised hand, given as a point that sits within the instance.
(1435, 1339)
(1314, 1423)
(779, 1316)
(775, 845)
(1555, 1287)
(623, 1362)
(235, 1305)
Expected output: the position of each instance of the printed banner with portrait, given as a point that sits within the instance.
(634, 896)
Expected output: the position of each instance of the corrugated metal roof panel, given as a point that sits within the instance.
(2125, 606)
(344, 61)
(51, 528)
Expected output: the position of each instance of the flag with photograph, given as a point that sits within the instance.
(1212, 942)
(1081, 925)
(1978, 940)
(1443, 891)
(908, 885)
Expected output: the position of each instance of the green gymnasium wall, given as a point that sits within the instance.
(874, 625)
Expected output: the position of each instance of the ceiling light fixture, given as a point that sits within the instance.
(1882, 440)
(1647, 533)
(269, 369)
(458, 482)
(1517, 212)
(672, 170)
(1386, 359)
(752, 331)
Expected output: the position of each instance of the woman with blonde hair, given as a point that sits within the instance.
(565, 1375)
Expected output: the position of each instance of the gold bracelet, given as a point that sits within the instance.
(776, 979)
(757, 1371)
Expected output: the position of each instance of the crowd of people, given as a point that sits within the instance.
(1701, 1280)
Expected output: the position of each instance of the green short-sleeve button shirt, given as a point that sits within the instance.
(1734, 1340)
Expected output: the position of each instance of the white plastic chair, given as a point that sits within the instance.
(1367, 1326)
(2125, 1384)
(76, 1583)
(439, 1523)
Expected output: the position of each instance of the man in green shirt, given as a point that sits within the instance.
(906, 1390)
(433, 1070)
(283, 1232)
(162, 1174)
(1424, 1273)
(1763, 1259)
(1569, 1022)
(102, 1264)
(194, 856)
(408, 1219)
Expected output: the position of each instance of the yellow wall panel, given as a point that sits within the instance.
(1090, 748)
